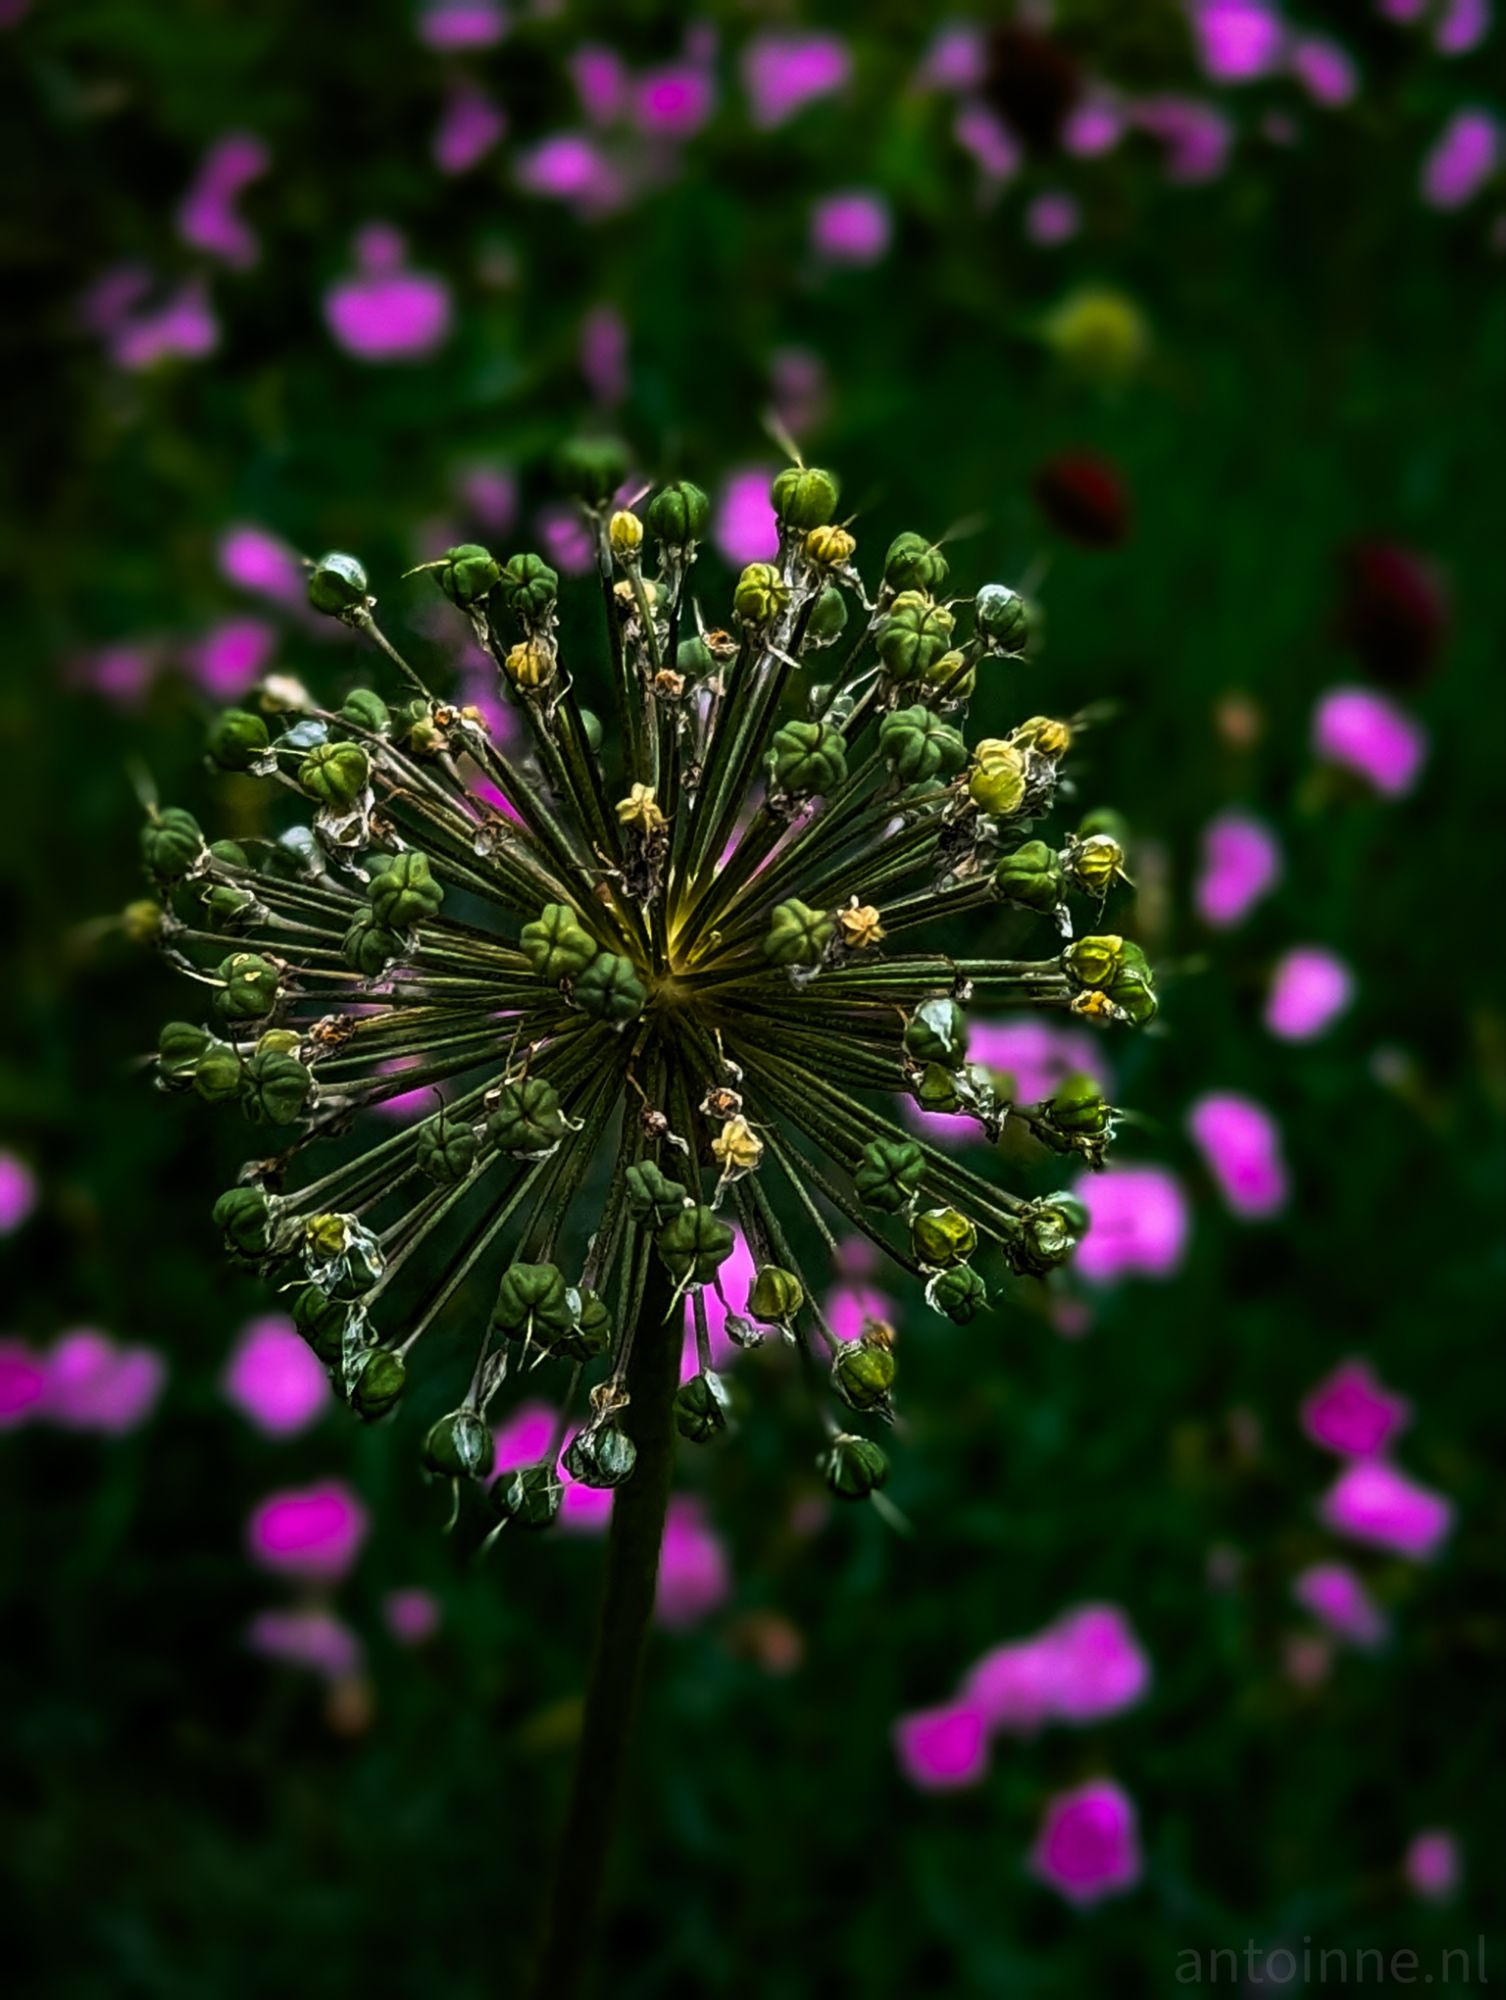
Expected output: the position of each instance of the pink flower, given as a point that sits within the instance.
(259, 562)
(1464, 157)
(1138, 1224)
(207, 217)
(313, 1532)
(1088, 1846)
(183, 328)
(308, 1637)
(1027, 1060)
(461, 24)
(989, 140)
(1195, 138)
(491, 495)
(1334, 1593)
(1310, 988)
(1366, 733)
(1433, 1865)
(694, 1576)
(386, 311)
(783, 73)
(799, 386)
(23, 1384)
(1241, 863)
(852, 228)
(1462, 26)
(736, 1281)
(568, 166)
(121, 674)
(1096, 1664)
(956, 60)
(744, 528)
(1052, 218)
(525, 1438)
(1324, 70)
(1093, 127)
(600, 77)
(93, 1384)
(673, 102)
(411, 1616)
(604, 355)
(567, 539)
(849, 1308)
(1241, 1148)
(942, 1749)
(231, 656)
(469, 126)
(18, 1193)
(274, 1378)
(1011, 1685)
(1350, 1412)
(1373, 1501)
(1237, 40)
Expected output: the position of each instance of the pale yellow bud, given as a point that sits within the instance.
(1052, 739)
(625, 532)
(737, 1148)
(830, 546)
(640, 808)
(860, 926)
(530, 664)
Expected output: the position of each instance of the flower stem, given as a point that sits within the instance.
(627, 1603)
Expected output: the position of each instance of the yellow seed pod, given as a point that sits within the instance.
(530, 664)
(1097, 863)
(951, 675)
(737, 1148)
(997, 781)
(142, 921)
(1051, 738)
(1094, 1005)
(860, 927)
(625, 532)
(830, 546)
(640, 808)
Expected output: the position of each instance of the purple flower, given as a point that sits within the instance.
(694, 1576)
(312, 1532)
(18, 1193)
(1310, 988)
(1138, 1224)
(461, 24)
(1324, 70)
(673, 102)
(1027, 1060)
(1352, 1413)
(1333, 1593)
(942, 1749)
(491, 496)
(411, 1616)
(1374, 1501)
(1432, 1865)
(567, 539)
(121, 674)
(1464, 157)
(525, 1439)
(207, 217)
(1241, 1148)
(1093, 127)
(94, 1384)
(385, 311)
(1237, 41)
(1011, 1685)
(23, 1384)
(744, 529)
(782, 73)
(737, 1276)
(800, 388)
(994, 148)
(259, 562)
(469, 126)
(570, 167)
(604, 355)
(849, 1308)
(1462, 26)
(1088, 1846)
(308, 1637)
(956, 60)
(1195, 137)
(1363, 732)
(274, 1378)
(600, 77)
(1052, 218)
(183, 327)
(1241, 863)
(231, 656)
(1096, 1666)
(851, 228)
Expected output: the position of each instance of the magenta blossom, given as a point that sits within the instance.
(1334, 1594)
(1241, 1148)
(601, 82)
(231, 656)
(1464, 157)
(604, 355)
(800, 388)
(744, 528)
(956, 60)
(984, 135)
(942, 1749)
(1310, 988)
(313, 1532)
(461, 24)
(1027, 1060)
(1138, 1224)
(23, 1384)
(1366, 733)
(259, 562)
(412, 1616)
(783, 73)
(386, 311)
(1052, 218)
(1195, 138)
(571, 167)
(309, 1637)
(182, 328)
(120, 674)
(567, 539)
(94, 1384)
(491, 496)
(673, 102)
(274, 1378)
(1351, 1412)
(526, 1439)
(1097, 1665)
(18, 1193)
(469, 126)
(694, 1575)
(852, 228)
(1432, 1865)
(1011, 1686)
(207, 218)
(1374, 1501)
(1241, 863)
(1238, 41)
(736, 1277)
(1324, 70)
(1093, 126)
(1461, 26)
(1088, 1846)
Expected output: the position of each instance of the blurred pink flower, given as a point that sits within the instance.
(1310, 988)
(1373, 1501)
(1093, 126)
(604, 355)
(1325, 71)
(525, 1437)
(261, 563)
(411, 1616)
(784, 72)
(800, 388)
(849, 1307)
(1088, 1846)
(1241, 863)
(694, 1575)
(852, 228)
(308, 1637)
(23, 1384)
(1028, 1059)
(469, 126)
(1096, 1666)
(673, 102)
(491, 496)
(231, 656)
(1237, 41)
(385, 310)
(994, 148)
(207, 218)
(461, 24)
(1195, 138)
(18, 1193)
(736, 1277)
(275, 1379)
(600, 77)
(1433, 1865)
(311, 1532)
(1011, 1685)
(1052, 218)
(1334, 1593)
(566, 539)
(95, 1384)
(956, 60)
(1461, 26)
(1366, 733)
(183, 328)
(569, 166)
(744, 528)
(1352, 1413)
(1464, 157)
(942, 1749)
(1138, 1224)
(121, 674)
(1240, 1144)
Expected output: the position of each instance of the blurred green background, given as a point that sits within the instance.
(1323, 363)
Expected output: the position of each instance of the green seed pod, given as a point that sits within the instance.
(525, 1118)
(761, 594)
(889, 1174)
(679, 514)
(652, 1196)
(863, 1373)
(797, 934)
(959, 1293)
(1031, 877)
(804, 497)
(460, 1446)
(414, 728)
(1048, 1231)
(467, 573)
(996, 783)
(237, 738)
(937, 1033)
(695, 1243)
(533, 1304)
(593, 1326)
(950, 678)
(1077, 1106)
(609, 989)
(322, 1322)
(919, 746)
(227, 909)
(702, 1407)
(243, 1216)
(403, 890)
(369, 947)
(602, 1457)
(943, 1237)
(445, 1149)
(828, 618)
(379, 1386)
(913, 563)
(1094, 961)
(935, 1089)
(776, 1296)
(251, 986)
(217, 1074)
(1002, 617)
(336, 774)
(693, 658)
(275, 1088)
(179, 1047)
(528, 586)
(854, 1467)
(556, 944)
(1095, 864)
(171, 842)
(1132, 988)
(337, 584)
(808, 757)
(364, 709)
(914, 635)
(591, 469)
(530, 1497)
